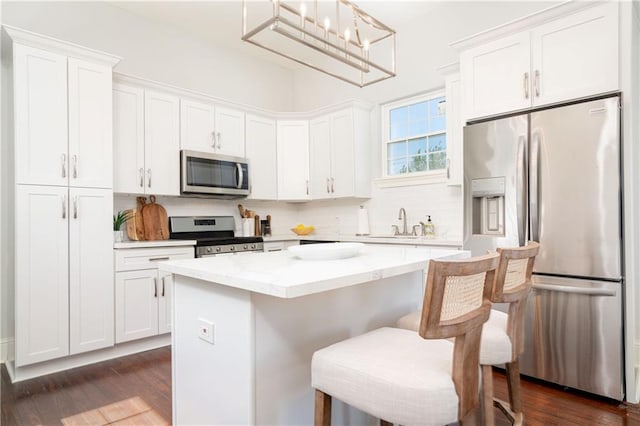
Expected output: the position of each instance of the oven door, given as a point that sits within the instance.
(213, 175)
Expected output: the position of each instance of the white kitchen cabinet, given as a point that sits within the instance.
(64, 271)
(453, 95)
(161, 143)
(566, 58)
(261, 149)
(269, 246)
(205, 127)
(62, 119)
(340, 154)
(146, 141)
(293, 160)
(142, 293)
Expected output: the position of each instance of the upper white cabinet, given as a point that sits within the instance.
(208, 128)
(261, 152)
(146, 141)
(293, 160)
(62, 119)
(340, 154)
(566, 58)
(453, 95)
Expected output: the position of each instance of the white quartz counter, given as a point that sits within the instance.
(369, 239)
(282, 275)
(159, 243)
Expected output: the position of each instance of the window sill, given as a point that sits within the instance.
(404, 180)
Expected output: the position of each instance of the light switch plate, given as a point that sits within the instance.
(206, 331)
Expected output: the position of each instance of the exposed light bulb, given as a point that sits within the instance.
(366, 44)
(327, 23)
(303, 10)
(347, 35)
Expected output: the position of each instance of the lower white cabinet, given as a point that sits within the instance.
(279, 245)
(64, 271)
(143, 293)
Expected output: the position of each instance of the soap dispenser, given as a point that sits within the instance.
(429, 228)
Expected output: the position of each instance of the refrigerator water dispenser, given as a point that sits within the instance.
(488, 206)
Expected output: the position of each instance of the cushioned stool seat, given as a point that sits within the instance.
(392, 374)
(495, 345)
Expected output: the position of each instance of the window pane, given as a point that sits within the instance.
(417, 146)
(437, 160)
(396, 150)
(418, 112)
(398, 131)
(396, 167)
(437, 124)
(418, 163)
(437, 143)
(417, 128)
(434, 111)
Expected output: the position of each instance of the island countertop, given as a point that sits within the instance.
(283, 275)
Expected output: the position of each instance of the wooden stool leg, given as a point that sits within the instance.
(385, 423)
(487, 396)
(322, 409)
(513, 384)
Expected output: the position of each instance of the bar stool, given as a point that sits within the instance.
(502, 339)
(398, 376)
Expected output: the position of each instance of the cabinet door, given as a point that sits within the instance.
(40, 108)
(197, 126)
(136, 304)
(454, 129)
(576, 56)
(42, 273)
(497, 76)
(293, 160)
(165, 291)
(91, 317)
(261, 152)
(342, 154)
(320, 157)
(230, 132)
(90, 125)
(162, 143)
(128, 139)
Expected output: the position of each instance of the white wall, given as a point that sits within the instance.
(158, 52)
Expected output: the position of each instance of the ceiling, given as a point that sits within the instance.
(220, 22)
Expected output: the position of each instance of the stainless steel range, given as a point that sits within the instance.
(214, 235)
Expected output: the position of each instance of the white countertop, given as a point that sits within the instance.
(159, 243)
(282, 275)
(375, 239)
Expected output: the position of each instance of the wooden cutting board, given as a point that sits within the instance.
(156, 223)
(135, 225)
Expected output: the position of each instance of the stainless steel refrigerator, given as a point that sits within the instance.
(554, 176)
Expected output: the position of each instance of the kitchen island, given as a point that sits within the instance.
(246, 326)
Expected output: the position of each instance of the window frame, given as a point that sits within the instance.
(412, 178)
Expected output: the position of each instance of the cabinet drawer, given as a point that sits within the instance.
(148, 258)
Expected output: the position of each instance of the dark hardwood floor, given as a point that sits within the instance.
(48, 399)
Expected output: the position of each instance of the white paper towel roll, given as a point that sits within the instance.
(363, 221)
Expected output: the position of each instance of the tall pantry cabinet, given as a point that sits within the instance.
(58, 103)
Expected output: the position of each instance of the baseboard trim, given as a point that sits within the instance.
(6, 349)
(18, 374)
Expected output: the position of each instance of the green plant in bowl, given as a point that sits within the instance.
(120, 219)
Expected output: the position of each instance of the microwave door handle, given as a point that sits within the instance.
(240, 175)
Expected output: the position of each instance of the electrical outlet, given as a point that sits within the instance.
(206, 330)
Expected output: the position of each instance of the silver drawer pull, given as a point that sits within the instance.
(163, 285)
(63, 161)
(75, 166)
(155, 259)
(141, 177)
(155, 287)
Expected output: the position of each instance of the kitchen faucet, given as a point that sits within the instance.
(402, 215)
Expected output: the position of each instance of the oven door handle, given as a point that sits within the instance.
(239, 175)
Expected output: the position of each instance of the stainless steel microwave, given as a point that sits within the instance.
(213, 175)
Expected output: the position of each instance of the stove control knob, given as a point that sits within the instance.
(208, 249)
(246, 246)
(232, 248)
(218, 249)
(253, 246)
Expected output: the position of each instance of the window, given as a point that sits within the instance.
(415, 139)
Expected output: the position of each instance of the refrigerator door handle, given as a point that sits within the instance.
(520, 190)
(575, 290)
(534, 169)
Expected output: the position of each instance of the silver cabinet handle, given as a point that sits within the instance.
(155, 287)
(240, 175)
(75, 166)
(534, 171)
(148, 178)
(328, 186)
(156, 259)
(213, 138)
(75, 207)
(332, 182)
(219, 140)
(536, 83)
(575, 290)
(521, 178)
(141, 177)
(63, 161)
(307, 186)
(526, 85)
(163, 285)
(448, 168)
(64, 206)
